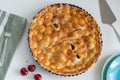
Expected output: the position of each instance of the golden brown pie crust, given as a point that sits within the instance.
(65, 39)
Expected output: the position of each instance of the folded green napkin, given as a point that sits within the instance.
(18, 25)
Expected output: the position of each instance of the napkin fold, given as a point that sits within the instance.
(18, 23)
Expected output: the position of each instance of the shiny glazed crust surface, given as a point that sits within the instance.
(65, 39)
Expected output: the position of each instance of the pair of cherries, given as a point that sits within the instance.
(31, 68)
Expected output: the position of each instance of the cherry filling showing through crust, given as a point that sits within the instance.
(55, 25)
(72, 47)
(78, 56)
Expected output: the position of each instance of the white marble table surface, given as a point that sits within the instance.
(22, 57)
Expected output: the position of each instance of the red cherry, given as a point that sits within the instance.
(37, 77)
(31, 68)
(24, 71)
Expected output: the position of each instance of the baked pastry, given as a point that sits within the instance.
(65, 39)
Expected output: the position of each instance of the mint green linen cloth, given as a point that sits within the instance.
(18, 24)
